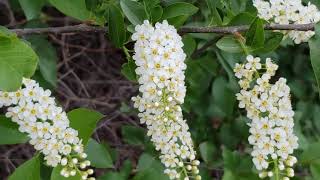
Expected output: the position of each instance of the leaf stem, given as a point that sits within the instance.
(126, 52)
(276, 170)
(241, 41)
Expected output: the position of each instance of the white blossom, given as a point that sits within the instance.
(47, 125)
(269, 108)
(289, 12)
(160, 67)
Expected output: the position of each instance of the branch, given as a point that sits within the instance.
(58, 30)
(218, 30)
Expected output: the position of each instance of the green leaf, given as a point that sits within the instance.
(10, 133)
(122, 175)
(29, 170)
(84, 120)
(117, 33)
(149, 168)
(47, 58)
(134, 11)
(237, 167)
(98, 155)
(223, 97)
(55, 175)
(314, 44)
(178, 13)
(311, 154)
(150, 4)
(17, 60)
(272, 41)
(133, 135)
(156, 14)
(242, 19)
(92, 4)
(73, 8)
(128, 70)
(32, 8)
(255, 34)
(189, 45)
(229, 44)
(112, 176)
(315, 170)
(215, 18)
(179, 9)
(207, 152)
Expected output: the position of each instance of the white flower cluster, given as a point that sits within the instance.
(289, 12)
(160, 66)
(47, 125)
(269, 108)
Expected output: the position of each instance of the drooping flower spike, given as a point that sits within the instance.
(47, 125)
(269, 108)
(289, 12)
(160, 67)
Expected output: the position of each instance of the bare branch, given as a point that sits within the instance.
(218, 30)
(58, 30)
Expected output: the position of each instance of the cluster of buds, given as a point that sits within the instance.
(269, 108)
(47, 125)
(160, 66)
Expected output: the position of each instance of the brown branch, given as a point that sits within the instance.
(218, 30)
(58, 30)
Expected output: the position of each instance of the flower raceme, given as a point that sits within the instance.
(269, 108)
(47, 125)
(160, 66)
(289, 12)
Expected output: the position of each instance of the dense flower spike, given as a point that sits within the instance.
(160, 60)
(269, 108)
(48, 127)
(289, 12)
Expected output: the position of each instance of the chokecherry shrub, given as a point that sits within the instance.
(160, 66)
(289, 12)
(269, 108)
(47, 125)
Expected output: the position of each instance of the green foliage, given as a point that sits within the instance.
(117, 33)
(223, 98)
(178, 13)
(133, 135)
(215, 18)
(32, 8)
(73, 8)
(85, 121)
(215, 123)
(149, 168)
(237, 167)
(29, 170)
(189, 44)
(208, 152)
(255, 34)
(229, 44)
(98, 155)
(123, 174)
(134, 11)
(17, 60)
(314, 44)
(10, 133)
(272, 41)
(128, 70)
(47, 58)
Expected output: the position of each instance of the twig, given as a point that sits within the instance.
(218, 30)
(58, 30)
